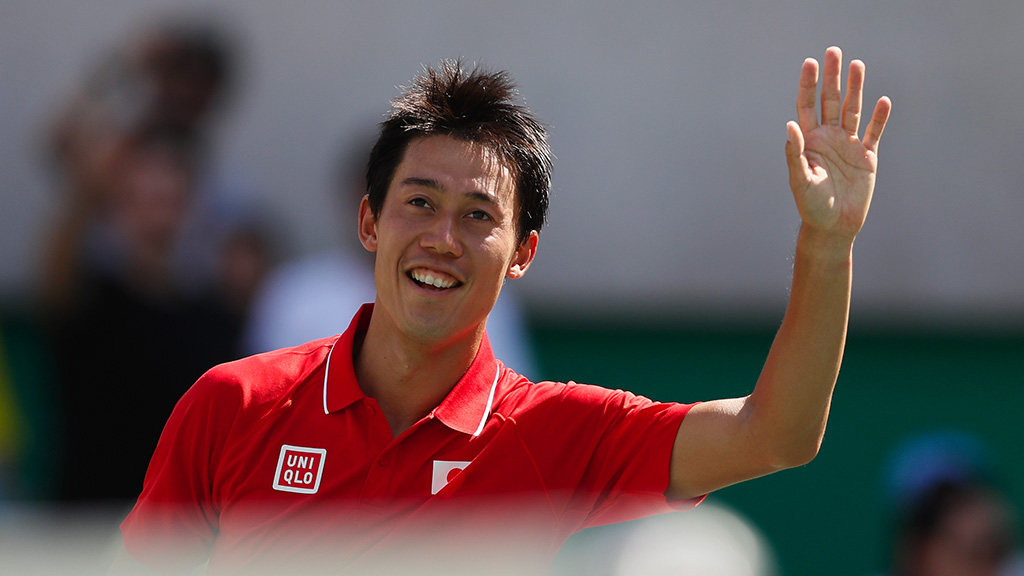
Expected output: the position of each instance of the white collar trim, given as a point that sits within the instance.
(490, 401)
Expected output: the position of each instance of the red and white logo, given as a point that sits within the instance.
(444, 472)
(299, 469)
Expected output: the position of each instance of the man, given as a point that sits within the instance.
(403, 444)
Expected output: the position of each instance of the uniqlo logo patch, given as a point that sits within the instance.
(444, 472)
(299, 469)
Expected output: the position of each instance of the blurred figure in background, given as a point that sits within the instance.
(167, 83)
(313, 297)
(951, 517)
(146, 283)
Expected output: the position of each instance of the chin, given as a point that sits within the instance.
(440, 330)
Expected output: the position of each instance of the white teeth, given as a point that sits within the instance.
(427, 278)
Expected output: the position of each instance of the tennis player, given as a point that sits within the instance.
(403, 445)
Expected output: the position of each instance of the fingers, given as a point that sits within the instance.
(806, 107)
(854, 97)
(836, 110)
(795, 158)
(878, 119)
(831, 102)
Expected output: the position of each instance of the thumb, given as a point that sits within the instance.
(798, 166)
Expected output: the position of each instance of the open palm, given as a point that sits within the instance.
(832, 170)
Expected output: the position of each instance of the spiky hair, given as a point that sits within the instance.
(477, 106)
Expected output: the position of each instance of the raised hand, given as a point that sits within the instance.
(831, 169)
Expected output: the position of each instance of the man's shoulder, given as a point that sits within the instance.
(268, 376)
(524, 395)
(581, 406)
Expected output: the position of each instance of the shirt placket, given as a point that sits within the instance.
(389, 467)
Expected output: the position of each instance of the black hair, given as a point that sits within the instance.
(477, 106)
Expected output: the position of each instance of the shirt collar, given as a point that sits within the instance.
(470, 402)
(465, 409)
(340, 385)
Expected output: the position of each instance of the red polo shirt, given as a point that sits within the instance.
(280, 460)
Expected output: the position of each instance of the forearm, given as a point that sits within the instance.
(782, 422)
(790, 404)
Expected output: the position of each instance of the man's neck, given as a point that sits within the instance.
(406, 377)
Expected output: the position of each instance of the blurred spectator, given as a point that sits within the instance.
(128, 342)
(951, 517)
(167, 84)
(141, 300)
(317, 296)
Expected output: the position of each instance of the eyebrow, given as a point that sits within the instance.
(435, 185)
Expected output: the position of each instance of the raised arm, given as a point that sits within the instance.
(782, 422)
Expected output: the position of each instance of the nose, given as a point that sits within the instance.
(442, 236)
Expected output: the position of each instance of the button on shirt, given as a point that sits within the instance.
(280, 460)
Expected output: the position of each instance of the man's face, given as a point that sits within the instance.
(445, 240)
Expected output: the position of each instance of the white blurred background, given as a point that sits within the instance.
(667, 119)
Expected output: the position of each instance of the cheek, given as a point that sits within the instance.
(499, 254)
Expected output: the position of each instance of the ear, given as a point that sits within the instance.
(523, 257)
(367, 225)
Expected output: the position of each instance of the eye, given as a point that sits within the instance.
(419, 202)
(480, 215)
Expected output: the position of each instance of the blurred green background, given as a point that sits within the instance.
(833, 513)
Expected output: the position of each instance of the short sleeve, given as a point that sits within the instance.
(613, 452)
(632, 460)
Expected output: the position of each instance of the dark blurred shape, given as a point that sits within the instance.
(11, 426)
(170, 79)
(952, 518)
(149, 271)
(130, 342)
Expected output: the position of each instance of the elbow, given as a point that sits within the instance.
(786, 442)
(804, 454)
(794, 452)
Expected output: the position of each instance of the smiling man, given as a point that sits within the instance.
(403, 443)
(445, 237)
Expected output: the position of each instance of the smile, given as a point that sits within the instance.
(433, 278)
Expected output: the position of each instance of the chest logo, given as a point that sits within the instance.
(299, 469)
(444, 472)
